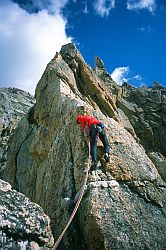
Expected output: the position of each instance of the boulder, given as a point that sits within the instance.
(23, 224)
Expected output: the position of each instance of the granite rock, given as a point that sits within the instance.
(23, 224)
(14, 103)
(145, 110)
(124, 203)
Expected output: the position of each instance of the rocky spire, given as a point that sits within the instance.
(124, 204)
(99, 63)
(158, 86)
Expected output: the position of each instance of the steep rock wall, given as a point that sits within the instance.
(145, 108)
(14, 103)
(124, 203)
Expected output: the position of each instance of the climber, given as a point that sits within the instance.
(94, 128)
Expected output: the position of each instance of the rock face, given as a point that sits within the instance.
(14, 103)
(23, 224)
(124, 203)
(145, 108)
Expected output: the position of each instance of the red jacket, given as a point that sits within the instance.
(86, 120)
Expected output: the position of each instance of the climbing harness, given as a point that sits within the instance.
(77, 203)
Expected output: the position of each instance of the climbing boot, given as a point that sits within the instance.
(107, 157)
(93, 166)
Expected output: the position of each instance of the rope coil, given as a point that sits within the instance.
(77, 203)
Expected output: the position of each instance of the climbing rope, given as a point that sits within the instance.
(77, 203)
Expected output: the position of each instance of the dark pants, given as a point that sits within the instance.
(95, 131)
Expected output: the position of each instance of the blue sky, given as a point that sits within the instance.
(128, 35)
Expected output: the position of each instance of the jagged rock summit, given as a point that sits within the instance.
(124, 203)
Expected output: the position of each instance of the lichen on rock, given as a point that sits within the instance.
(23, 224)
